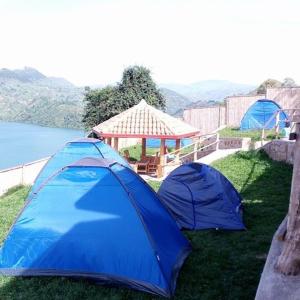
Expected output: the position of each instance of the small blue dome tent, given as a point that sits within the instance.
(200, 197)
(260, 113)
(72, 152)
(99, 220)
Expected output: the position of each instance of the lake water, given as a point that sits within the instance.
(21, 143)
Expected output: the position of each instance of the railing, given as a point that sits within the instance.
(289, 112)
(202, 145)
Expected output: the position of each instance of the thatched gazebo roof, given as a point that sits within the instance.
(144, 121)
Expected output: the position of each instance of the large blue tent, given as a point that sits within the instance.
(73, 151)
(97, 219)
(200, 197)
(259, 115)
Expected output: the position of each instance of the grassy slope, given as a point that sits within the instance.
(255, 135)
(10, 205)
(223, 265)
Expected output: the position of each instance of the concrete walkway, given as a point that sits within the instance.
(208, 159)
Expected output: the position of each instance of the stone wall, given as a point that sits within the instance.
(235, 143)
(280, 150)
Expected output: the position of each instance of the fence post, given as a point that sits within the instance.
(196, 150)
(218, 142)
(277, 124)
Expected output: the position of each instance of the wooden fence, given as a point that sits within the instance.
(209, 119)
(206, 119)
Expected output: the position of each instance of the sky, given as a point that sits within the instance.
(90, 42)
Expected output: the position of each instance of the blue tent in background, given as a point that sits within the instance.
(260, 113)
(98, 220)
(200, 197)
(73, 151)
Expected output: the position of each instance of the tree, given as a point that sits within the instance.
(289, 82)
(269, 83)
(136, 84)
(99, 105)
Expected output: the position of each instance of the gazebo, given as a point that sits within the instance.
(144, 121)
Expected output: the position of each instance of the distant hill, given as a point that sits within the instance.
(31, 97)
(209, 90)
(198, 104)
(174, 101)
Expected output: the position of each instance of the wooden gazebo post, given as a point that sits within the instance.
(177, 147)
(109, 141)
(143, 148)
(116, 143)
(160, 171)
(289, 260)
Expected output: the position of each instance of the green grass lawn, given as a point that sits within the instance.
(135, 151)
(255, 135)
(222, 265)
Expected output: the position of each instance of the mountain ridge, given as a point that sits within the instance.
(27, 95)
(31, 97)
(207, 90)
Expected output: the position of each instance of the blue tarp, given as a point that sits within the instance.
(99, 221)
(260, 113)
(73, 151)
(200, 197)
(155, 143)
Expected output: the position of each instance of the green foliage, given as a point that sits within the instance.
(273, 83)
(10, 203)
(100, 105)
(269, 83)
(136, 84)
(289, 82)
(222, 265)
